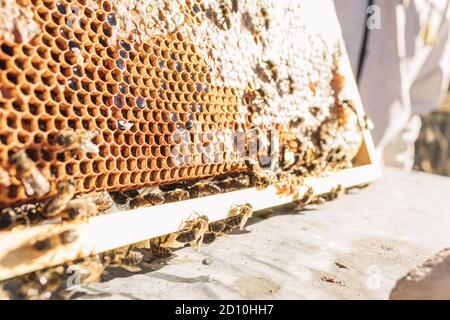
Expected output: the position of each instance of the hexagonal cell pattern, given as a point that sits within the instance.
(162, 83)
(136, 95)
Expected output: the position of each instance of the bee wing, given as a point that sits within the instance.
(188, 236)
(142, 245)
(202, 182)
(89, 146)
(5, 179)
(150, 189)
(29, 190)
(171, 242)
(92, 134)
(197, 244)
(234, 210)
(36, 183)
(185, 224)
(243, 222)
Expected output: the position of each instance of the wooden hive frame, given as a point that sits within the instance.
(110, 231)
(107, 232)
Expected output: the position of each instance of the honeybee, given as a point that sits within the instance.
(203, 188)
(154, 198)
(288, 184)
(119, 198)
(7, 218)
(266, 17)
(176, 195)
(161, 247)
(342, 111)
(66, 191)
(79, 140)
(261, 73)
(159, 251)
(273, 68)
(235, 183)
(263, 95)
(215, 229)
(217, 226)
(131, 193)
(132, 258)
(55, 282)
(247, 23)
(335, 192)
(226, 14)
(249, 95)
(102, 200)
(246, 211)
(32, 179)
(209, 237)
(26, 214)
(305, 199)
(192, 231)
(113, 257)
(300, 171)
(60, 239)
(5, 179)
(367, 123)
(87, 205)
(80, 208)
(125, 257)
(292, 85)
(148, 199)
(235, 6)
(233, 222)
(137, 203)
(261, 179)
(239, 215)
(318, 200)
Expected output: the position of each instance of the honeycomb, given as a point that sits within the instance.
(162, 83)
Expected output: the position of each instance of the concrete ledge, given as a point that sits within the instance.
(355, 247)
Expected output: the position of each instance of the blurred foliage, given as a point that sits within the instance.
(432, 152)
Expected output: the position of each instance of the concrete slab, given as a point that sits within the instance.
(355, 247)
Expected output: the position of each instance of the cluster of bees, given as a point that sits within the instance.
(133, 199)
(328, 143)
(197, 230)
(58, 282)
(304, 152)
(55, 282)
(26, 170)
(228, 8)
(65, 204)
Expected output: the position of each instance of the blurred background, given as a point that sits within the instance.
(400, 55)
(432, 146)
